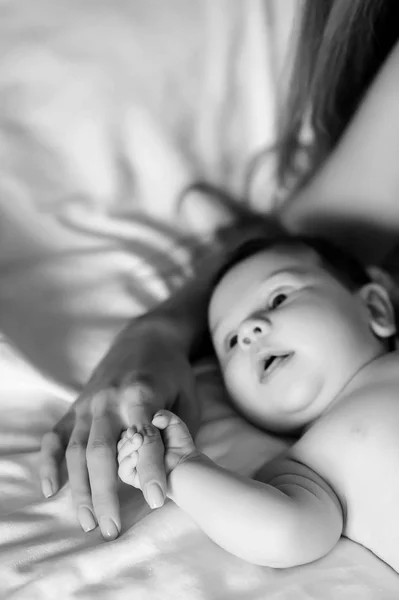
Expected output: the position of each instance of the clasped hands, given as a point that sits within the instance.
(179, 447)
(145, 371)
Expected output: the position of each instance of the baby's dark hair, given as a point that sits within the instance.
(340, 264)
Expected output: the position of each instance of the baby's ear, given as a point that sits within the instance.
(380, 309)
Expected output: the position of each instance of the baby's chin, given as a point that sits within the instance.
(304, 402)
(283, 426)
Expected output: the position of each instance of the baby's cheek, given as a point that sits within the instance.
(239, 387)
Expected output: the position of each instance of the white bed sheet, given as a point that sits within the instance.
(106, 110)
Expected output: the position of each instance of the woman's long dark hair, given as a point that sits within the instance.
(337, 49)
(340, 46)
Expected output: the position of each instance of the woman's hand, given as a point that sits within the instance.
(144, 371)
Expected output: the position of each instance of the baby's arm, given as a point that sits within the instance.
(292, 520)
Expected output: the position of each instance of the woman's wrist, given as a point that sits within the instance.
(153, 323)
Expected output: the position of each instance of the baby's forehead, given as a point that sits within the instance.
(247, 275)
(262, 265)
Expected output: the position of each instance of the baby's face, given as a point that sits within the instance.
(288, 336)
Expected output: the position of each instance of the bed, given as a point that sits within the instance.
(107, 110)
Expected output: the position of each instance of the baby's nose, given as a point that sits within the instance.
(252, 331)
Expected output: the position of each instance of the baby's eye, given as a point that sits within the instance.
(232, 342)
(277, 300)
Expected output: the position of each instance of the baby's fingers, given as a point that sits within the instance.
(127, 469)
(126, 435)
(130, 445)
(164, 418)
(175, 430)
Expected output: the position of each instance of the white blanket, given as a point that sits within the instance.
(106, 110)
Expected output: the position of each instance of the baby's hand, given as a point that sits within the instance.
(178, 443)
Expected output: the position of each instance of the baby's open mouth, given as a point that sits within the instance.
(270, 363)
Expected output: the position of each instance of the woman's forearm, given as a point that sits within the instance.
(245, 517)
(182, 318)
(185, 313)
(353, 198)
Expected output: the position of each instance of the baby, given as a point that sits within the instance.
(304, 342)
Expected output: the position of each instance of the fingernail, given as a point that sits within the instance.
(86, 519)
(108, 528)
(154, 495)
(47, 488)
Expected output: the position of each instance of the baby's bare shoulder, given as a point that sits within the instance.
(362, 427)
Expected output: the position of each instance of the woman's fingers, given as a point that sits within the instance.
(102, 468)
(69, 440)
(52, 454)
(79, 477)
(88, 439)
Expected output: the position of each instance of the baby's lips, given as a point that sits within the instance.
(266, 361)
